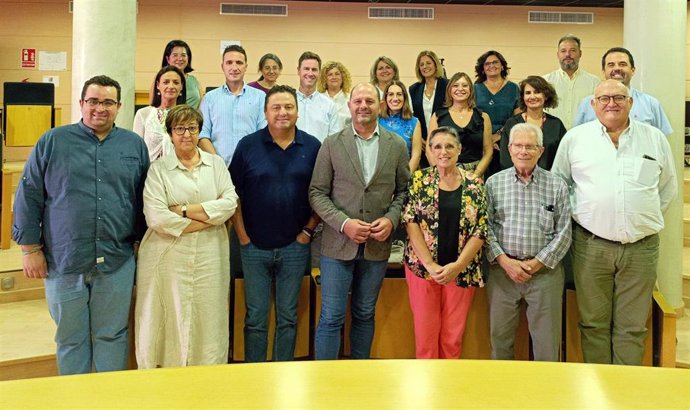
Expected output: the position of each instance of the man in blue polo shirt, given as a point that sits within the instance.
(271, 170)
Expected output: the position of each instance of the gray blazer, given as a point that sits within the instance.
(338, 192)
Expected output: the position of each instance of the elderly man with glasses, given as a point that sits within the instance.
(529, 234)
(621, 177)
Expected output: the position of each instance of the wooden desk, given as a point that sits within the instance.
(371, 384)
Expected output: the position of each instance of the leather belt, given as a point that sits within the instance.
(588, 233)
(519, 258)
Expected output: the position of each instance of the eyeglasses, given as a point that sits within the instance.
(617, 99)
(529, 148)
(180, 130)
(94, 102)
(490, 63)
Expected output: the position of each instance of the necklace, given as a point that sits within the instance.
(460, 112)
(162, 113)
(429, 91)
(542, 120)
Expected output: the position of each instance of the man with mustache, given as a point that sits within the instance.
(621, 178)
(618, 64)
(358, 188)
(572, 84)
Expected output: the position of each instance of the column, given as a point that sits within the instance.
(104, 42)
(655, 34)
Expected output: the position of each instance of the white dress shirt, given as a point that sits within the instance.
(340, 100)
(617, 194)
(317, 115)
(570, 92)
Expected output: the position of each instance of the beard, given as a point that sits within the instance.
(569, 66)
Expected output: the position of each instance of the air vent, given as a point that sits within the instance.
(551, 17)
(406, 13)
(276, 10)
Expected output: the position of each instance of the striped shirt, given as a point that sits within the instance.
(528, 220)
(229, 118)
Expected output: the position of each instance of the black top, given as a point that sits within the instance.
(449, 210)
(471, 136)
(553, 130)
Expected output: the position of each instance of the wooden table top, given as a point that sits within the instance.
(372, 384)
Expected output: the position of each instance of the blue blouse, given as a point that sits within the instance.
(402, 127)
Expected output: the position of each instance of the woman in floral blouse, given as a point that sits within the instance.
(445, 217)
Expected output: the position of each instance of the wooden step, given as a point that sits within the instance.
(26, 337)
(686, 224)
(686, 185)
(686, 290)
(15, 287)
(686, 276)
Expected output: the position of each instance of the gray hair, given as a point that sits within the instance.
(366, 85)
(570, 37)
(527, 128)
(445, 130)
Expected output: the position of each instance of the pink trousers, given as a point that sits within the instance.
(440, 315)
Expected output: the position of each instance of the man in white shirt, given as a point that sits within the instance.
(618, 64)
(622, 179)
(318, 115)
(572, 84)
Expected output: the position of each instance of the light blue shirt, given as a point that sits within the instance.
(318, 115)
(645, 109)
(228, 118)
(368, 150)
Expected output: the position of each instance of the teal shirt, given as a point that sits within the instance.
(193, 92)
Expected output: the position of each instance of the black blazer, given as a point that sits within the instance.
(416, 96)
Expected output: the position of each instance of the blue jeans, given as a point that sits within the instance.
(337, 277)
(288, 265)
(91, 311)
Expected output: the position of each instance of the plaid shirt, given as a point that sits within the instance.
(528, 220)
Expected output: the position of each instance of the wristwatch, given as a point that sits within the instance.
(183, 208)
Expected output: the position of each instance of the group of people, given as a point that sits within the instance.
(491, 182)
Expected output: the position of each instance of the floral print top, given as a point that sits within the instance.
(422, 208)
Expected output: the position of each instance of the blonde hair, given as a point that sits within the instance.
(387, 60)
(347, 79)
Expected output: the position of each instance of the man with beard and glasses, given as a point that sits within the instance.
(571, 83)
(618, 64)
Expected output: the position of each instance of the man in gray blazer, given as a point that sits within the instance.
(358, 189)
